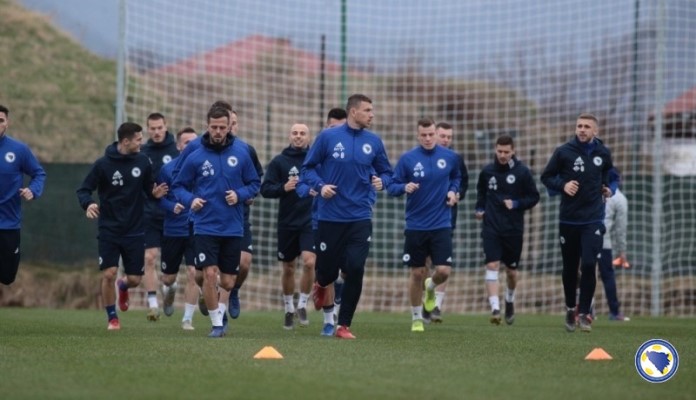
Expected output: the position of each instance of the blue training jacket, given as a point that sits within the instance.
(175, 225)
(437, 172)
(208, 173)
(17, 161)
(347, 158)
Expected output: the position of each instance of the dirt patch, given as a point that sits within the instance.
(43, 286)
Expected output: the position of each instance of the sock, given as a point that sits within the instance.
(439, 299)
(188, 311)
(337, 308)
(302, 302)
(222, 307)
(328, 315)
(111, 312)
(122, 285)
(152, 299)
(495, 302)
(417, 312)
(510, 295)
(216, 317)
(288, 301)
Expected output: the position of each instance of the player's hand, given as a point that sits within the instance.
(249, 202)
(411, 187)
(92, 211)
(377, 183)
(160, 190)
(313, 192)
(508, 204)
(26, 194)
(479, 215)
(621, 261)
(291, 184)
(178, 208)
(197, 204)
(571, 188)
(231, 197)
(452, 198)
(606, 192)
(328, 191)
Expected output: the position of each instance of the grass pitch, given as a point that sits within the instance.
(68, 354)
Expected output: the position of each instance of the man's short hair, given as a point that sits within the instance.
(155, 116)
(337, 113)
(5, 110)
(218, 112)
(127, 130)
(355, 100)
(426, 122)
(589, 116)
(443, 125)
(188, 129)
(505, 140)
(223, 104)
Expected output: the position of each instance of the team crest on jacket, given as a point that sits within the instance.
(510, 179)
(493, 183)
(232, 161)
(339, 151)
(135, 172)
(207, 169)
(166, 159)
(579, 165)
(597, 161)
(441, 163)
(418, 171)
(10, 157)
(367, 149)
(117, 179)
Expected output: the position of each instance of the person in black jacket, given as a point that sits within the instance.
(579, 171)
(123, 177)
(505, 190)
(160, 149)
(295, 237)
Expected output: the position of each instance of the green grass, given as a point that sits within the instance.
(70, 355)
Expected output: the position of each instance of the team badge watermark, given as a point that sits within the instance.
(657, 360)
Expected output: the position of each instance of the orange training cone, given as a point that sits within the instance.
(598, 353)
(268, 352)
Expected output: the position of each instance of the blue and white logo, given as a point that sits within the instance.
(657, 360)
(10, 157)
(135, 172)
(597, 161)
(367, 149)
(441, 163)
(510, 179)
(166, 159)
(232, 161)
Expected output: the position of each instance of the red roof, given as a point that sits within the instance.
(242, 56)
(686, 102)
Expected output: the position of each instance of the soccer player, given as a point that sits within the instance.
(505, 190)
(214, 181)
(339, 166)
(123, 178)
(17, 160)
(247, 242)
(177, 242)
(443, 135)
(430, 177)
(295, 237)
(616, 222)
(579, 171)
(160, 148)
